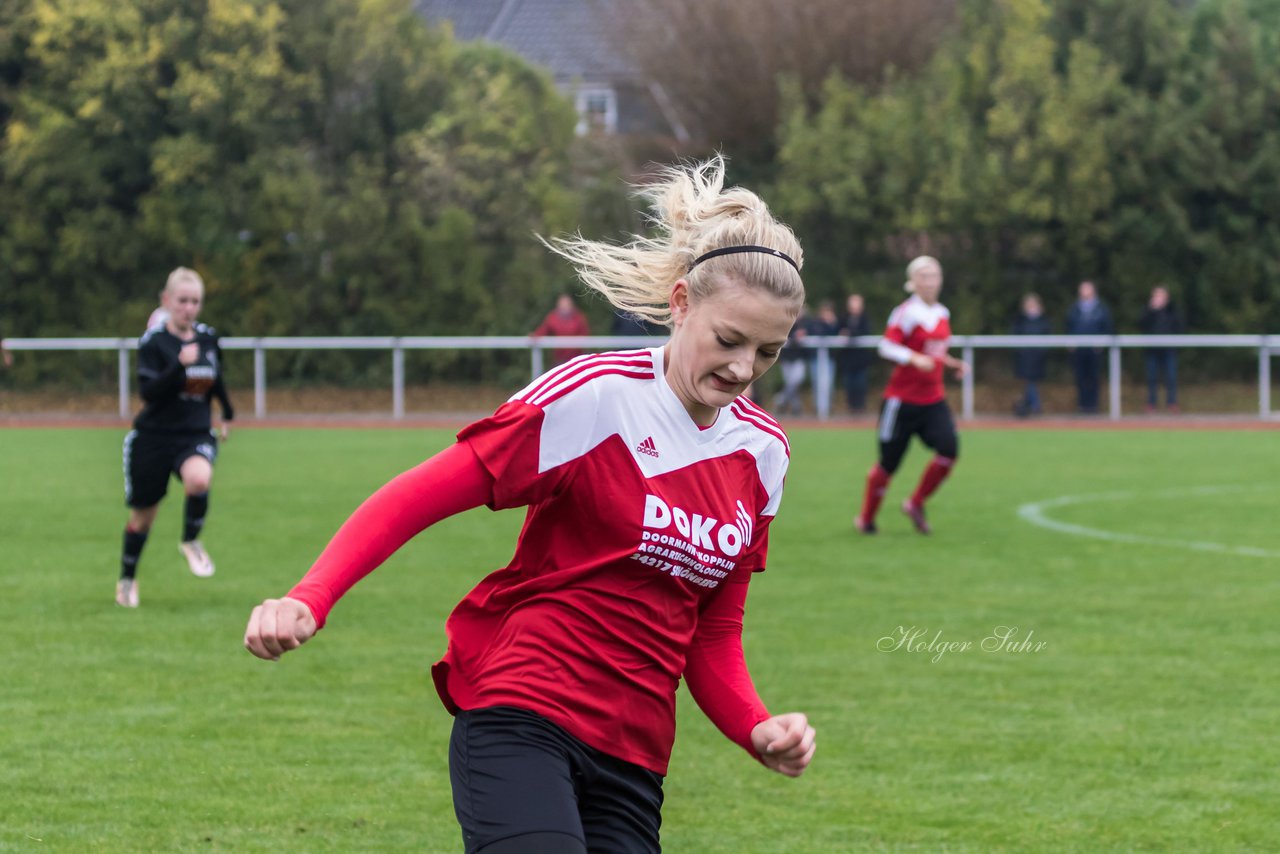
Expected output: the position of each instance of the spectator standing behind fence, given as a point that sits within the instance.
(1029, 362)
(1161, 318)
(5, 355)
(793, 363)
(565, 319)
(854, 361)
(1089, 316)
(825, 324)
(626, 323)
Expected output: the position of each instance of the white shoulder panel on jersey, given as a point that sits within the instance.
(592, 398)
(576, 398)
(916, 312)
(760, 435)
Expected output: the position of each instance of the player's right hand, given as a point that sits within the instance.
(277, 626)
(189, 354)
(921, 362)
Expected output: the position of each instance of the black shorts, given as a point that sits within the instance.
(519, 777)
(150, 459)
(900, 421)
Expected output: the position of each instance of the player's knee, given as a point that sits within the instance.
(196, 485)
(140, 519)
(949, 448)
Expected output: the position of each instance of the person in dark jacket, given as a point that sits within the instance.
(795, 367)
(1089, 316)
(1029, 362)
(625, 323)
(824, 324)
(1161, 318)
(854, 361)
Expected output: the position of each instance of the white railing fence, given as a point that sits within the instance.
(1266, 347)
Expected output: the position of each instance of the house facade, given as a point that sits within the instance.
(572, 40)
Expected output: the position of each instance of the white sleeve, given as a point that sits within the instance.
(894, 351)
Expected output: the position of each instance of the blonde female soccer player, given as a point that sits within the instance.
(179, 372)
(651, 484)
(915, 401)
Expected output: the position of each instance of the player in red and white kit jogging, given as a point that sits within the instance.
(651, 484)
(914, 401)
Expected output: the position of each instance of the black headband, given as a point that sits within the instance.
(733, 250)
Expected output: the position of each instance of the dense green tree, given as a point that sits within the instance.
(996, 159)
(339, 167)
(330, 166)
(1132, 142)
(1200, 186)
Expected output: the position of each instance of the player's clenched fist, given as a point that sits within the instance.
(786, 743)
(277, 626)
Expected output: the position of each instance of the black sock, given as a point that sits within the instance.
(133, 543)
(193, 518)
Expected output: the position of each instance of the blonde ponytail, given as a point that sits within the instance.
(693, 214)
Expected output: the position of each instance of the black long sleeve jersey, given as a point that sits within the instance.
(178, 396)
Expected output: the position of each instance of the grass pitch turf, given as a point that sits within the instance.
(1146, 718)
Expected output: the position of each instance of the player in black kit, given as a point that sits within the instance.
(179, 371)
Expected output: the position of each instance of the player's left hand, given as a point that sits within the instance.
(223, 431)
(786, 743)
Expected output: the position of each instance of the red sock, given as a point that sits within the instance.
(877, 483)
(932, 478)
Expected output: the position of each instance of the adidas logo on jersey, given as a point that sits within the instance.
(647, 447)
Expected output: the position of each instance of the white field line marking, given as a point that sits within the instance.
(1035, 513)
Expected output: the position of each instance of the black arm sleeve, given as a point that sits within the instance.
(159, 381)
(220, 391)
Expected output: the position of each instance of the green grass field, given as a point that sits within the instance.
(1147, 719)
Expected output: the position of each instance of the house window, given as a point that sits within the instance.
(597, 111)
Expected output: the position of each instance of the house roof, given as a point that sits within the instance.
(569, 37)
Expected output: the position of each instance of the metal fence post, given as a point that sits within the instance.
(822, 383)
(1264, 380)
(536, 355)
(259, 380)
(397, 380)
(966, 384)
(122, 366)
(1113, 380)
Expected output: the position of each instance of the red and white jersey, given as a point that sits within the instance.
(636, 518)
(916, 327)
